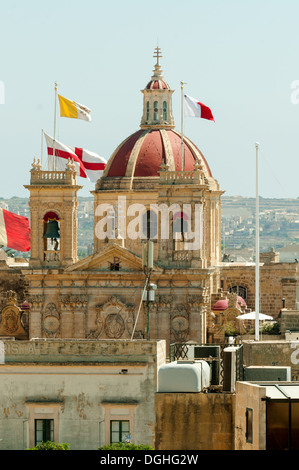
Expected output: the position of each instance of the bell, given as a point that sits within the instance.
(52, 230)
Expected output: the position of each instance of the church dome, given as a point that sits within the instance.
(156, 145)
(143, 153)
(222, 304)
(157, 85)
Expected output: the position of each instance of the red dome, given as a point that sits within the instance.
(222, 304)
(157, 85)
(25, 306)
(142, 154)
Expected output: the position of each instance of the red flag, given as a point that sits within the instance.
(14, 231)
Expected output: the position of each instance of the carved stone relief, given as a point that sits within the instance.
(179, 323)
(51, 321)
(11, 323)
(115, 319)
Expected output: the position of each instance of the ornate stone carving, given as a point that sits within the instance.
(51, 321)
(115, 319)
(73, 301)
(11, 324)
(165, 301)
(36, 301)
(179, 323)
(232, 300)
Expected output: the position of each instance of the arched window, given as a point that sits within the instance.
(147, 110)
(51, 232)
(156, 111)
(179, 228)
(164, 110)
(150, 224)
(239, 290)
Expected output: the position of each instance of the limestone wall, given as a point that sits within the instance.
(273, 353)
(194, 421)
(277, 281)
(82, 385)
(250, 396)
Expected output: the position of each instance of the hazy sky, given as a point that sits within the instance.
(241, 58)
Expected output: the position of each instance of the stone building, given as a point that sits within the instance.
(157, 191)
(155, 274)
(157, 187)
(87, 393)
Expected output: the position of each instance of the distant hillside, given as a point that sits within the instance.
(279, 224)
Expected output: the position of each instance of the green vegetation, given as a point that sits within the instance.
(126, 446)
(49, 445)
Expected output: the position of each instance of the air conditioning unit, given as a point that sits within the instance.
(210, 354)
(267, 374)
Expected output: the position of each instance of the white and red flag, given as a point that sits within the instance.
(94, 164)
(194, 108)
(14, 231)
(88, 164)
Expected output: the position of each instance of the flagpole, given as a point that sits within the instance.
(54, 136)
(42, 147)
(257, 251)
(182, 125)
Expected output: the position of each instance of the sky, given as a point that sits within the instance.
(240, 58)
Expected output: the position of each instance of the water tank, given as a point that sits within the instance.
(184, 376)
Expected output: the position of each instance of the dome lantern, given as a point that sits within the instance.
(157, 100)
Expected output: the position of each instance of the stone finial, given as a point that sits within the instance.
(70, 166)
(164, 166)
(36, 165)
(232, 300)
(11, 297)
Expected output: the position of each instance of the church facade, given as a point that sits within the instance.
(156, 269)
(157, 196)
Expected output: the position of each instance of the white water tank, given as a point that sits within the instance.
(184, 376)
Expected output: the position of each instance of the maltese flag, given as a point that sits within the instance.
(194, 108)
(14, 231)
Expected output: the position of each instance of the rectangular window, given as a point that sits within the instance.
(119, 430)
(249, 425)
(44, 430)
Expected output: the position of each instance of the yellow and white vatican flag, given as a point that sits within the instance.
(71, 109)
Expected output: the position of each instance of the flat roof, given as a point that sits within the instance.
(282, 391)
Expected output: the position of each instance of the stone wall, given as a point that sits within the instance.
(289, 320)
(82, 385)
(194, 421)
(11, 278)
(272, 353)
(277, 281)
(250, 396)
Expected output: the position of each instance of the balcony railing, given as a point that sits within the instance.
(51, 256)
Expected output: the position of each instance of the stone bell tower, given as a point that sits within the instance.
(53, 211)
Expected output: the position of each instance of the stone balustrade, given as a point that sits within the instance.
(53, 177)
(51, 256)
(181, 177)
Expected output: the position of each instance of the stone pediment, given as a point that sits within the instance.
(121, 259)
